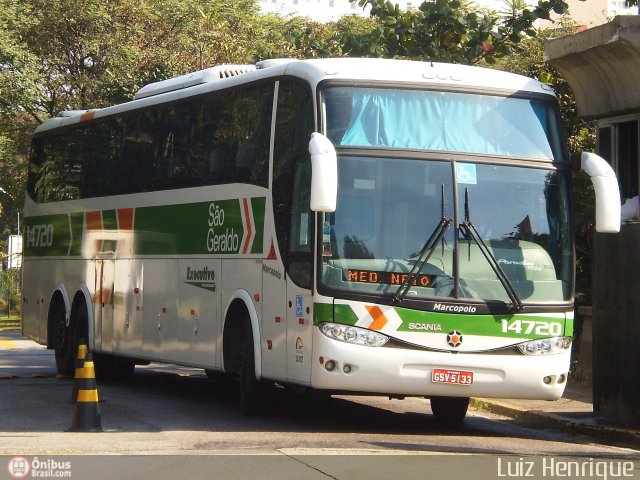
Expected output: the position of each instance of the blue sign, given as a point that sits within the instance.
(466, 173)
(299, 305)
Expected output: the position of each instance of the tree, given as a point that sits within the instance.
(449, 30)
(61, 55)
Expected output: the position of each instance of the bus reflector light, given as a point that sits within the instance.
(545, 346)
(353, 335)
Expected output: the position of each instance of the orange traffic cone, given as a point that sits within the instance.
(82, 353)
(87, 415)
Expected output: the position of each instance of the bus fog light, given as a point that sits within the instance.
(353, 335)
(346, 368)
(545, 346)
(330, 365)
(547, 380)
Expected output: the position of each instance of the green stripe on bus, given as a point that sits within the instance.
(76, 224)
(47, 235)
(482, 325)
(216, 228)
(322, 312)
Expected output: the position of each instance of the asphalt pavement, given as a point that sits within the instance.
(572, 413)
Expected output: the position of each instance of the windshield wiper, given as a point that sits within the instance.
(425, 253)
(471, 232)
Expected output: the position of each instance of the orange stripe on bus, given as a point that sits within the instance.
(94, 220)
(379, 320)
(247, 216)
(125, 219)
(87, 115)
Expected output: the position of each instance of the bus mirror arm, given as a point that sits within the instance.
(324, 174)
(607, 192)
(575, 159)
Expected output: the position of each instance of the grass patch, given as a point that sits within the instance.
(10, 323)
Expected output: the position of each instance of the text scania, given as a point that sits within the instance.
(442, 307)
(219, 240)
(428, 327)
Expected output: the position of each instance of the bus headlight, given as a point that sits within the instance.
(354, 335)
(545, 346)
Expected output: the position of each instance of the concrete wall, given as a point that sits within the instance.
(602, 65)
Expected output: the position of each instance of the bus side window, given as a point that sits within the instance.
(103, 147)
(171, 147)
(47, 168)
(250, 118)
(137, 156)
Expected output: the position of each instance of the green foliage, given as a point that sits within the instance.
(10, 298)
(449, 30)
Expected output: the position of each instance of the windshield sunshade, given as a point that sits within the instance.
(442, 121)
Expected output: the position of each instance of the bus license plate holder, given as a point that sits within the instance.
(453, 377)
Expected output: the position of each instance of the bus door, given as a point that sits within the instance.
(274, 317)
(299, 340)
(103, 273)
(127, 307)
(100, 247)
(198, 307)
(300, 277)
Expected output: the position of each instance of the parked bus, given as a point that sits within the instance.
(349, 225)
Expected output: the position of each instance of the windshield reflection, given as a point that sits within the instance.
(388, 208)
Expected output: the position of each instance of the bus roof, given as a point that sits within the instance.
(314, 71)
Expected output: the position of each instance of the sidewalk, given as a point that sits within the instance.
(572, 413)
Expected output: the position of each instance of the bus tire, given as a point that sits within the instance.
(449, 409)
(252, 402)
(65, 362)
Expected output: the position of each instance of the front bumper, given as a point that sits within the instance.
(398, 371)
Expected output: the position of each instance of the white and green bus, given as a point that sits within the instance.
(348, 225)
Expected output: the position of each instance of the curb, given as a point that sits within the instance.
(542, 419)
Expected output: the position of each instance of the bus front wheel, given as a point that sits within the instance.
(256, 397)
(449, 409)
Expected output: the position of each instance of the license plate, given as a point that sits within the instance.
(456, 377)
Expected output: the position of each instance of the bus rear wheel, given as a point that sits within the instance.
(449, 409)
(64, 354)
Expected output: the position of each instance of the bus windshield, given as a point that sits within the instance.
(388, 208)
(453, 122)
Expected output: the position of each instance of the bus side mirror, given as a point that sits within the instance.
(324, 174)
(607, 192)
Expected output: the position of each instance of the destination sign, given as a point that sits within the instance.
(391, 278)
